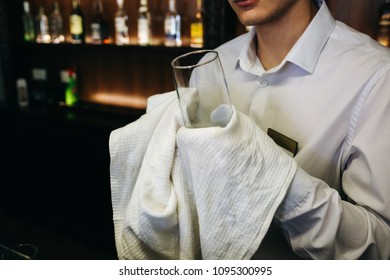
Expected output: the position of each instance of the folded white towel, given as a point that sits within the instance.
(213, 196)
(153, 211)
(239, 177)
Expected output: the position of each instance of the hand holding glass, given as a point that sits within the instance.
(200, 85)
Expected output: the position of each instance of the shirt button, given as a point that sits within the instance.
(264, 83)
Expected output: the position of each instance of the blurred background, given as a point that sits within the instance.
(73, 71)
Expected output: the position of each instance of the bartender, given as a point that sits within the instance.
(298, 77)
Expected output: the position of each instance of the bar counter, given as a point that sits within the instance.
(54, 178)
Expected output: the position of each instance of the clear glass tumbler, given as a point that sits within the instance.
(200, 85)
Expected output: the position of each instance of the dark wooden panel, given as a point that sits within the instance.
(110, 70)
(359, 14)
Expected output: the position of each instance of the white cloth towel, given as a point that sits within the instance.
(211, 196)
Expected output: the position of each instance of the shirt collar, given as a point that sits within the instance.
(305, 52)
(248, 57)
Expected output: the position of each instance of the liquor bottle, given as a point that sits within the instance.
(196, 28)
(56, 25)
(121, 29)
(99, 26)
(42, 27)
(71, 91)
(77, 23)
(383, 35)
(21, 85)
(144, 32)
(28, 23)
(172, 26)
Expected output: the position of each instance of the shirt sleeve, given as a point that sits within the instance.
(319, 224)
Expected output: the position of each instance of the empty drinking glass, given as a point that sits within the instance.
(201, 87)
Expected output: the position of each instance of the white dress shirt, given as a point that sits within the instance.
(332, 95)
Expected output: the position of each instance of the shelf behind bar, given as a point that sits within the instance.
(112, 47)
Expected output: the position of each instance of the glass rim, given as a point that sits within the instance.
(197, 64)
(14, 250)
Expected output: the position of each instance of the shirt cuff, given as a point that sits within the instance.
(299, 188)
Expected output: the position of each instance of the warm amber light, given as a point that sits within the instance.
(384, 41)
(120, 100)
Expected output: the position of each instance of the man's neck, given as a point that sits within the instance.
(275, 39)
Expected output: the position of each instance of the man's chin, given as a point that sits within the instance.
(253, 18)
(247, 21)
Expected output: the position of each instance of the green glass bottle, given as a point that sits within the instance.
(28, 23)
(77, 30)
(71, 91)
